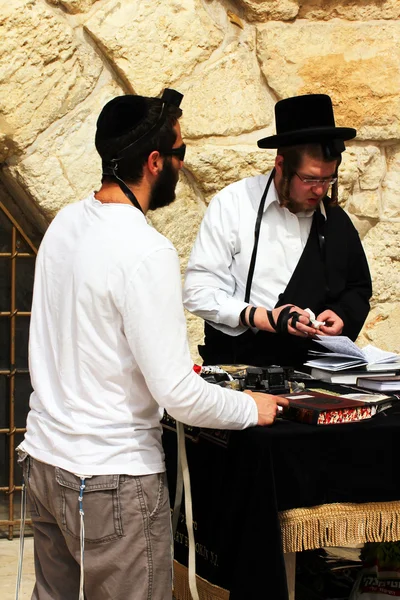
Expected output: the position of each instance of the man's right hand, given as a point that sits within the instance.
(267, 406)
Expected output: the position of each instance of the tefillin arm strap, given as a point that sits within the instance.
(256, 237)
(169, 97)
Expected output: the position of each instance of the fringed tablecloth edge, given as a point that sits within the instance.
(341, 524)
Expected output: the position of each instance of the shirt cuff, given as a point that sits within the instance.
(229, 312)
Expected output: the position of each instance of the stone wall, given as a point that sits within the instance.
(61, 60)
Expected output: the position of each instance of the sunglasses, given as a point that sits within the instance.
(178, 152)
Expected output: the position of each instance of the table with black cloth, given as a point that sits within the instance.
(240, 491)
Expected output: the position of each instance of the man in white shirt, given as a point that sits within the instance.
(278, 240)
(108, 352)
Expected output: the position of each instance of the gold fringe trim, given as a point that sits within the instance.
(342, 524)
(207, 591)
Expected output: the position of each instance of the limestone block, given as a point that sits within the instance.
(45, 71)
(195, 326)
(352, 10)
(382, 247)
(154, 44)
(348, 174)
(4, 145)
(357, 64)
(173, 221)
(364, 204)
(74, 6)
(263, 10)
(215, 167)
(382, 328)
(228, 97)
(65, 166)
(362, 224)
(371, 167)
(391, 184)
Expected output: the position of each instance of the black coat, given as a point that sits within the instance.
(333, 275)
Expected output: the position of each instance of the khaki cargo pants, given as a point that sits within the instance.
(127, 535)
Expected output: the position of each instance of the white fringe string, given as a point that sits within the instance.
(21, 541)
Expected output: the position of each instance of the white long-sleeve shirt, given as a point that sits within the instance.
(217, 270)
(108, 347)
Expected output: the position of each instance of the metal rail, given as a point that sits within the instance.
(18, 236)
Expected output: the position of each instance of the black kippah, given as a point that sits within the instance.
(120, 116)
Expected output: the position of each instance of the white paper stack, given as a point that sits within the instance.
(341, 353)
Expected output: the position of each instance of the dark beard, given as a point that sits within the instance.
(163, 192)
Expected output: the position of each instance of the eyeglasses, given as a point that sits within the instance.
(315, 181)
(178, 152)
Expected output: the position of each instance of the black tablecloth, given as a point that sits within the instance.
(238, 491)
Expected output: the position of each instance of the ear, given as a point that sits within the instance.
(279, 160)
(154, 162)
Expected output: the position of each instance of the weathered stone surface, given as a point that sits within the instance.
(367, 170)
(382, 328)
(264, 10)
(362, 224)
(154, 44)
(391, 184)
(215, 167)
(382, 247)
(364, 204)
(348, 174)
(357, 64)
(74, 6)
(195, 327)
(64, 167)
(228, 97)
(352, 10)
(45, 71)
(180, 221)
(371, 167)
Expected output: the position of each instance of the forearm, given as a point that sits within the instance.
(256, 317)
(195, 402)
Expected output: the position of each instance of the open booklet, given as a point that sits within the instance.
(341, 353)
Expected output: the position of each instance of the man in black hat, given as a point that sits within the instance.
(108, 352)
(273, 245)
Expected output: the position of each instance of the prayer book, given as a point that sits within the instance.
(347, 376)
(341, 353)
(385, 383)
(318, 408)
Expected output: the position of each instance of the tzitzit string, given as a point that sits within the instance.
(21, 541)
(82, 538)
(188, 511)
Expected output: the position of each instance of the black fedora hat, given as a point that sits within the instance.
(305, 119)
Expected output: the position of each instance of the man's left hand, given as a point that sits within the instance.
(333, 323)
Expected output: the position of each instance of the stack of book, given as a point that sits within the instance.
(384, 383)
(343, 362)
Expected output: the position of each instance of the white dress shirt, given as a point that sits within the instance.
(108, 347)
(217, 270)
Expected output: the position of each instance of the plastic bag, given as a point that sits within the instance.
(379, 578)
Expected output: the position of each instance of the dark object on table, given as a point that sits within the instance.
(273, 380)
(320, 577)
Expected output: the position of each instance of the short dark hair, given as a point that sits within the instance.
(292, 158)
(122, 150)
